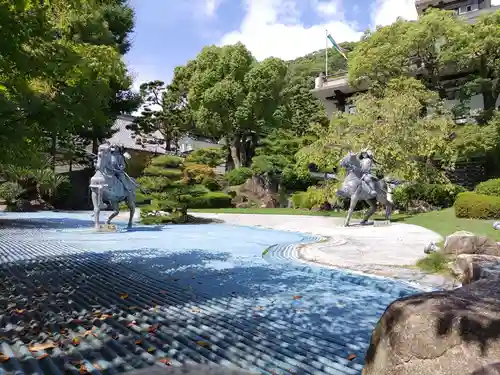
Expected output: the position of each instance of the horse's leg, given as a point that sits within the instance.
(131, 207)
(97, 208)
(388, 211)
(371, 211)
(115, 205)
(352, 206)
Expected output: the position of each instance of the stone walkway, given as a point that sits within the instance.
(381, 250)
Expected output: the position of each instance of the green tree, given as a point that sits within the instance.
(423, 48)
(479, 52)
(405, 142)
(165, 110)
(233, 96)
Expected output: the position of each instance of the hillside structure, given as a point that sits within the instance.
(335, 92)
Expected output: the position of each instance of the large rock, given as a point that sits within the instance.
(468, 243)
(472, 267)
(439, 333)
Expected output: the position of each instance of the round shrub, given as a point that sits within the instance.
(490, 187)
(208, 156)
(167, 161)
(439, 195)
(154, 184)
(238, 176)
(308, 199)
(211, 183)
(216, 199)
(477, 206)
(195, 173)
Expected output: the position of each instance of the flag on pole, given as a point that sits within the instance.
(336, 46)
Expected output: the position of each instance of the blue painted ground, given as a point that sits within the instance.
(177, 294)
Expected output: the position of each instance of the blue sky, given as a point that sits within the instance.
(170, 32)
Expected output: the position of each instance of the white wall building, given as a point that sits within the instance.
(335, 92)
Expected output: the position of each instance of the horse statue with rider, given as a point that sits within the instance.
(111, 183)
(364, 183)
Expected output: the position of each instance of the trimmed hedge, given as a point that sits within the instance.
(156, 171)
(490, 187)
(167, 161)
(439, 195)
(154, 183)
(216, 199)
(238, 176)
(477, 206)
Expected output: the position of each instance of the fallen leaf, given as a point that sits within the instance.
(132, 307)
(39, 347)
(123, 295)
(259, 308)
(97, 313)
(44, 355)
(105, 316)
(153, 328)
(3, 357)
(195, 309)
(166, 361)
(297, 297)
(138, 342)
(203, 343)
(19, 311)
(75, 341)
(351, 357)
(132, 323)
(89, 332)
(151, 349)
(83, 370)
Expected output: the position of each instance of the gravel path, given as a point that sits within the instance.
(382, 250)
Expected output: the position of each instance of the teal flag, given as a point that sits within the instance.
(336, 46)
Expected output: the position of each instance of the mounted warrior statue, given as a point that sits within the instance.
(111, 183)
(362, 183)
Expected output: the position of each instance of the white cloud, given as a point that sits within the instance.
(495, 2)
(386, 12)
(327, 8)
(273, 28)
(210, 7)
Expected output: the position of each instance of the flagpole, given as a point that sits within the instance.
(326, 53)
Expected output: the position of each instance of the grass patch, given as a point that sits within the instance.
(443, 222)
(434, 263)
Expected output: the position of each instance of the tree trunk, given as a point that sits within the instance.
(490, 96)
(236, 151)
(53, 151)
(95, 146)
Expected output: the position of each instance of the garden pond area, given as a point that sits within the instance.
(74, 300)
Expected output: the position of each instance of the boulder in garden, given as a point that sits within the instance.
(439, 333)
(463, 242)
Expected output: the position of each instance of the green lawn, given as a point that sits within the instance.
(443, 222)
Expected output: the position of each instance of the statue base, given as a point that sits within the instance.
(107, 228)
(381, 223)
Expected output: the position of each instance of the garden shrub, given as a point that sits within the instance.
(154, 183)
(10, 192)
(211, 183)
(439, 195)
(167, 161)
(154, 170)
(238, 176)
(195, 173)
(174, 217)
(314, 196)
(490, 187)
(216, 199)
(208, 156)
(477, 206)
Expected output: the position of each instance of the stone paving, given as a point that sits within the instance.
(382, 250)
(74, 301)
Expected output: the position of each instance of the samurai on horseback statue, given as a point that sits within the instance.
(111, 183)
(364, 183)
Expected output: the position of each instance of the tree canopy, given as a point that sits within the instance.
(61, 72)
